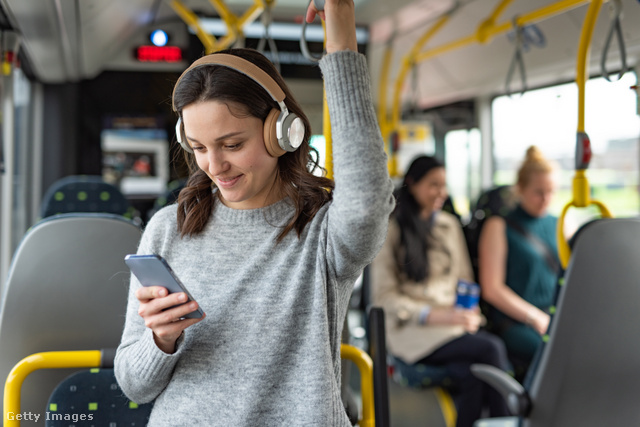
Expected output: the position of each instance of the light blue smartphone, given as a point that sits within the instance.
(153, 270)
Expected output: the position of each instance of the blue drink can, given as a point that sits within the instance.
(468, 294)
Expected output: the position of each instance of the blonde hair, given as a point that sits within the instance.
(534, 162)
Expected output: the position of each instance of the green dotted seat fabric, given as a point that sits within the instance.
(421, 376)
(83, 193)
(93, 398)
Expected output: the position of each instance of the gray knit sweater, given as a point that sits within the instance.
(268, 352)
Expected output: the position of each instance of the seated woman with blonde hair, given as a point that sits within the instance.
(518, 261)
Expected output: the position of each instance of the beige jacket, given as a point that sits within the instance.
(402, 299)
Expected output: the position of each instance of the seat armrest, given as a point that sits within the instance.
(514, 394)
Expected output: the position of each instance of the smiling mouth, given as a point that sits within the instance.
(228, 182)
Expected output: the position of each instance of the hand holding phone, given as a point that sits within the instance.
(165, 304)
(153, 270)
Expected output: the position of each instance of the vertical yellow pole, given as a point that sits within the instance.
(326, 129)
(583, 57)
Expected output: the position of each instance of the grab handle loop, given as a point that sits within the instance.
(517, 60)
(615, 12)
(267, 20)
(303, 38)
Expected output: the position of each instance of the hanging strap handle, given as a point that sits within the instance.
(615, 12)
(517, 60)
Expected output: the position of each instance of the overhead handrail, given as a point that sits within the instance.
(483, 34)
(615, 12)
(581, 189)
(389, 127)
(235, 25)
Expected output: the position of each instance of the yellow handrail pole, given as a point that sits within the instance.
(583, 57)
(407, 62)
(383, 119)
(51, 359)
(405, 66)
(253, 12)
(326, 130)
(191, 19)
(365, 366)
(230, 20)
(490, 22)
(236, 25)
(581, 194)
(326, 127)
(484, 33)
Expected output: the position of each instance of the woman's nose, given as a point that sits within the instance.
(217, 163)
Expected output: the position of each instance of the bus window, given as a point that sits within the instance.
(463, 151)
(548, 118)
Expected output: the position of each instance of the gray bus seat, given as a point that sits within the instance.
(589, 368)
(84, 193)
(66, 290)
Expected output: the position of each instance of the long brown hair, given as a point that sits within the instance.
(307, 191)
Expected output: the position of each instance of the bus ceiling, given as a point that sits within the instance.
(71, 40)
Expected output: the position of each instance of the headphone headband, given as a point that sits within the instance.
(283, 131)
(241, 65)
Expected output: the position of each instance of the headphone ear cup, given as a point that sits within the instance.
(270, 135)
(180, 136)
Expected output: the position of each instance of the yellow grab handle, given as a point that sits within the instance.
(50, 359)
(564, 252)
(365, 366)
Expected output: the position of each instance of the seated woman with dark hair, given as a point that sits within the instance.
(414, 278)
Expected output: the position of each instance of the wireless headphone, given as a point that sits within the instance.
(283, 131)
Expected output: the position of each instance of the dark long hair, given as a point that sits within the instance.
(413, 230)
(307, 191)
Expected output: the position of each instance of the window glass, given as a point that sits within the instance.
(548, 118)
(462, 160)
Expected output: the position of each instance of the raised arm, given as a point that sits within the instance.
(362, 199)
(492, 262)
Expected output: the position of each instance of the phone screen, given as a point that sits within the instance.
(153, 270)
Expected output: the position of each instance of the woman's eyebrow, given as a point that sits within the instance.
(220, 138)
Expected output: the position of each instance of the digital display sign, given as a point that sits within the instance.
(158, 54)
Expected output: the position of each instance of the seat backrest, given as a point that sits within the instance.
(93, 396)
(589, 370)
(66, 290)
(495, 201)
(83, 193)
(169, 197)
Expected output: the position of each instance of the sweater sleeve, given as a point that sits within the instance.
(141, 368)
(362, 199)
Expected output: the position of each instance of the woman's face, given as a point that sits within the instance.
(231, 151)
(430, 191)
(536, 195)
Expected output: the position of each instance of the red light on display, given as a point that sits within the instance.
(159, 54)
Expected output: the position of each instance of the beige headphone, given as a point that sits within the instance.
(283, 131)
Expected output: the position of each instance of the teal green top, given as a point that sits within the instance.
(528, 274)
